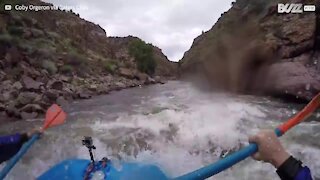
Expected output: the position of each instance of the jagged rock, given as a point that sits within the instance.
(103, 89)
(6, 85)
(84, 95)
(64, 78)
(29, 70)
(5, 97)
(119, 85)
(8, 95)
(57, 85)
(293, 78)
(27, 34)
(2, 74)
(68, 92)
(45, 102)
(151, 81)
(32, 108)
(52, 94)
(2, 65)
(12, 57)
(2, 107)
(142, 76)
(34, 21)
(37, 33)
(26, 116)
(25, 98)
(31, 84)
(159, 80)
(61, 101)
(44, 72)
(93, 87)
(242, 59)
(128, 73)
(106, 79)
(12, 111)
(17, 85)
(24, 63)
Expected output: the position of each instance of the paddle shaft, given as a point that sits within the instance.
(242, 154)
(223, 164)
(54, 116)
(10, 164)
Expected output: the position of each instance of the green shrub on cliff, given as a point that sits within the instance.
(5, 38)
(143, 53)
(49, 66)
(110, 66)
(66, 69)
(76, 59)
(15, 30)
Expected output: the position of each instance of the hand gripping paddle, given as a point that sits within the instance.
(54, 116)
(249, 150)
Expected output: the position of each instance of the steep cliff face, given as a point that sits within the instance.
(164, 67)
(253, 49)
(55, 56)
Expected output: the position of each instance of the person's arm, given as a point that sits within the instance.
(270, 150)
(14, 139)
(293, 169)
(10, 145)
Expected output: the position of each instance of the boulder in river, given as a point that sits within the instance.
(84, 95)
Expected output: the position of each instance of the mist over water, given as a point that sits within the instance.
(174, 126)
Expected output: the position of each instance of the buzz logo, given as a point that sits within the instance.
(290, 8)
(295, 8)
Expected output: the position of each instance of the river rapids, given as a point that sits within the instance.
(174, 126)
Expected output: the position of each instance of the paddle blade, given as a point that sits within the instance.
(302, 115)
(54, 116)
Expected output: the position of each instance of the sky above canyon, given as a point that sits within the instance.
(172, 25)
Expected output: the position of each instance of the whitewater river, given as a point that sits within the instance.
(174, 126)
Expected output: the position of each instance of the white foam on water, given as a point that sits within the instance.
(309, 156)
(200, 127)
(189, 130)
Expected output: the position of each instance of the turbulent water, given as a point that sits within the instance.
(174, 126)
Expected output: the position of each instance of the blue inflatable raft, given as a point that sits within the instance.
(79, 169)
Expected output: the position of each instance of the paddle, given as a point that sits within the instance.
(54, 116)
(249, 150)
